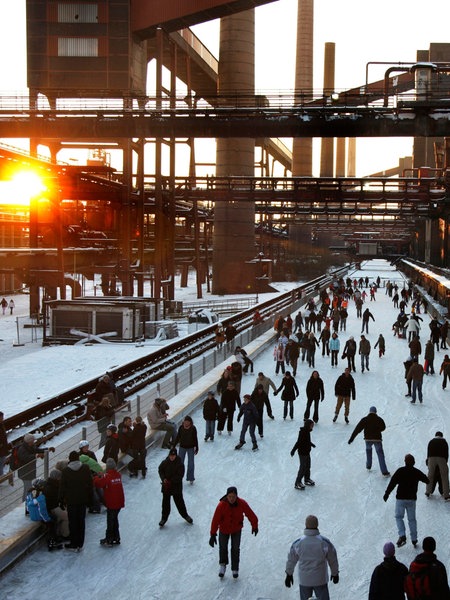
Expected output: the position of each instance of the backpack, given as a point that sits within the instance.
(14, 463)
(417, 582)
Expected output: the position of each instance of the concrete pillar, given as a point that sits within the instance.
(302, 148)
(234, 220)
(327, 148)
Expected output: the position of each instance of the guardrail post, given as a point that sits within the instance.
(175, 384)
(138, 404)
(191, 374)
(83, 433)
(46, 463)
(203, 365)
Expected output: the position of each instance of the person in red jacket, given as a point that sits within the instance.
(229, 519)
(114, 500)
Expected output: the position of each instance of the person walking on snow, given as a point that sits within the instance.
(251, 419)
(372, 425)
(303, 446)
(407, 480)
(228, 519)
(314, 553)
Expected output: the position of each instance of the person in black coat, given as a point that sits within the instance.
(138, 448)
(407, 479)
(289, 394)
(210, 414)
(365, 320)
(261, 399)
(112, 448)
(26, 454)
(344, 389)
(250, 419)
(188, 440)
(314, 394)
(125, 433)
(303, 446)
(171, 472)
(76, 492)
(428, 562)
(372, 425)
(388, 577)
(229, 401)
(349, 352)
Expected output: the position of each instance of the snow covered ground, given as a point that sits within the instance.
(176, 562)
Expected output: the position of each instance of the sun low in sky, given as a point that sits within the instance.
(21, 188)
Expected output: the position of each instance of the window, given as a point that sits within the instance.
(77, 46)
(78, 13)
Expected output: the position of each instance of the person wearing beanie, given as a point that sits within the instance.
(314, 554)
(349, 353)
(250, 415)
(158, 419)
(427, 571)
(289, 392)
(364, 352)
(372, 425)
(303, 446)
(407, 480)
(171, 472)
(381, 343)
(228, 519)
(437, 462)
(260, 399)
(388, 577)
(114, 500)
(76, 493)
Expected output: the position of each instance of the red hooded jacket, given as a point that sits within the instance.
(111, 483)
(229, 518)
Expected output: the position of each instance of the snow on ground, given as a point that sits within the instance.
(176, 562)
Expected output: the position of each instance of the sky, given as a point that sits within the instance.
(362, 31)
(177, 561)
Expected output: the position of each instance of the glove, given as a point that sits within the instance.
(350, 441)
(385, 497)
(213, 540)
(275, 393)
(313, 445)
(239, 418)
(322, 399)
(271, 417)
(255, 531)
(289, 580)
(335, 578)
(292, 452)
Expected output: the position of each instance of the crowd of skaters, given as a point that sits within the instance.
(298, 341)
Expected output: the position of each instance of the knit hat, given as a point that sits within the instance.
(232, 490)
(83, 444)
(373, 409)
(112, 427)
(173, 452)
(28, 438)
(409, 460)
(55, 474)
(439, 434)
(429, 544)
(389, 549)
(311, 522)
(110, 464)
(73, 456)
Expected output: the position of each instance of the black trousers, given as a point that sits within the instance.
(179, 503)
(235, 549)
(77, 517)
(112, 525)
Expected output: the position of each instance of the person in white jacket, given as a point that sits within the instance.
(412, 327)
(314, 553)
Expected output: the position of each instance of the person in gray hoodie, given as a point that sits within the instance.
(314, 553)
